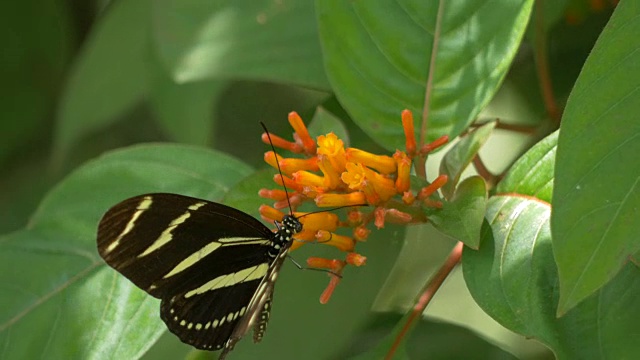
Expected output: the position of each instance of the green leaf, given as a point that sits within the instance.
(514, 279)
(109, 76)
(63, 296)
(461, 154)
(443, 59)
(262, 40)
(185, 111)
(597, 186)
(532, 174)
(462, 216)
(36, 39)
(429, 339)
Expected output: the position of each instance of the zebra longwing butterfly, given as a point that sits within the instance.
(213, 266)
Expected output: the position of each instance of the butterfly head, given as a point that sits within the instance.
(292, 223)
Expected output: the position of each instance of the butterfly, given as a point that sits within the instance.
(213, 267)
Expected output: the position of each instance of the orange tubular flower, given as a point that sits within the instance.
(332, 176)
(433, 187)
(382, 163)
(409, 132)
(318, 221)
(282, 143)
(341, 242)
(305, 178)
(403, 181)
(302, 133)
(336, 200)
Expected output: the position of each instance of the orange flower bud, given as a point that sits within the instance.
(398, 216)
(287, 182)
(409, 132)
(403, 181)
(302, 133)
(326, 294)
(270, 213)
(382, 163)
(273, 194)
(408, 197)
(426, 149)
(282, 143)
(320, 263)
(361, 233)
(378, 217)
(355, 259)
(433, 187)
(335, 200)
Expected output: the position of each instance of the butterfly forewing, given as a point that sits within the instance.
(206, 261)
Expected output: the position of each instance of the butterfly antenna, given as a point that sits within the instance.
(332, 209)
(278, 165)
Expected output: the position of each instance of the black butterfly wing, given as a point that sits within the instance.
(204, 260)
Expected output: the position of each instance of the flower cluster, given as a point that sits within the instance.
(375, 189)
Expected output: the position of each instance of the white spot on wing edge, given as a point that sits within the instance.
(142, 206)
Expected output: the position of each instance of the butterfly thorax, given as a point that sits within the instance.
(282, 238)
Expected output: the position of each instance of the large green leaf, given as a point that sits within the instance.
(513, 278)
(109, 76)
(532, 174)
(597, 183)
(65, 302)
(443, 60)
(249, 39)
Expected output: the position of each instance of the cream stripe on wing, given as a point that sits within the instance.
(211, 247)
(166, 235)
(142, 206)
(248, 274)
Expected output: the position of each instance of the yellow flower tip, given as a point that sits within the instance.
(361, 233)
(341, 242)
(291, 165)
(356, 259)
(319, 221)
(403, 180)
(330, 145)
(331, 175)
(378, 217)
(281, 143)
(398, 217)
(382, 163)
(326, 294)
(336, 200)
(426, 149)
(270, 213)
(408, 197)
(409, 132)
(433, 187)
(302, 133)
(354, 177)
(305, 178)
